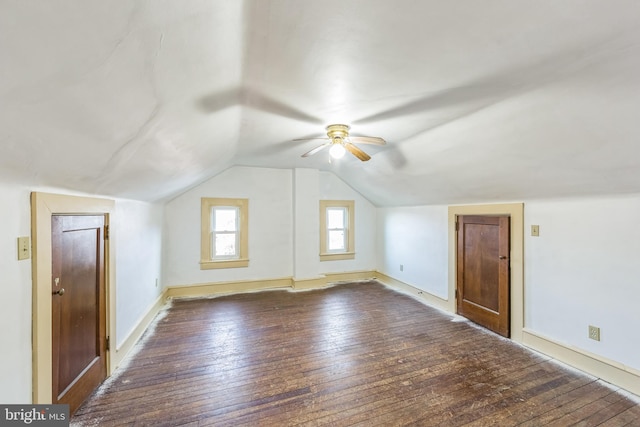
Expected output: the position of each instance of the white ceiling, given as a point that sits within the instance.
(479, 101)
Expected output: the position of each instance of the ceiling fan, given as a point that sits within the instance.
(340, 142)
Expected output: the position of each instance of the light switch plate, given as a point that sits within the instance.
(24, 248)
(535, 230)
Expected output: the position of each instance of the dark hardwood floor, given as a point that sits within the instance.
(352, 355)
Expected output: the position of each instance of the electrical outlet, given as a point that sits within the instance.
(594, 333)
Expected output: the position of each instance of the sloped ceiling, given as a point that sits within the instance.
(479, 101)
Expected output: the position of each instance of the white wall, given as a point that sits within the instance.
(416, 238)
(138, 264)
(283, 226)
(306, 217)
(15, 304)
(270, 227)
(584, 269)
(138, 236)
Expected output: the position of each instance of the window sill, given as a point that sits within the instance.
(337, 256)
(227, 263)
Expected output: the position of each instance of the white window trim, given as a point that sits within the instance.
(349, 253)
(207, 261)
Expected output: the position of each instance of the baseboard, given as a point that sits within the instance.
(309, 283)
(330, 279)
(425, 296)
(349, 276)
(119, 353)
(608, 370)
(218, 288)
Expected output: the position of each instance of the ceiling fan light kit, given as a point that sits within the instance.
(337, 151)
(340, 141)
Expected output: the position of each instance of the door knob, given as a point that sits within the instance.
(502, 257)
(59, 292)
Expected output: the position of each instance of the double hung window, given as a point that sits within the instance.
(224, 239)
(337, 230)
(225, 233)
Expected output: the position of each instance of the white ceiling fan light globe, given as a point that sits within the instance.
(337, 151)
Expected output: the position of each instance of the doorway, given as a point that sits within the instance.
(44, 206)
(482, 280)
(79, 341)
(515, 211)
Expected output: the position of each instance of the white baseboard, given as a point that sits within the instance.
(608, 370)
(120, 352)
(425, 296)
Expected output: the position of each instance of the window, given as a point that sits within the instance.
(225, 238)
(337, 236)
(224, 233)
(337, 231)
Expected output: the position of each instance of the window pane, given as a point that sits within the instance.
(225, 244)
(225, 219)
(336, 240)
(335, 217)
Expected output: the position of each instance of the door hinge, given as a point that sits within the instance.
(456, 294)
(108, 343)
(106, 232)
(457, 226)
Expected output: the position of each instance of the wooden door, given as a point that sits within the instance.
(78, 307)
(482, 290)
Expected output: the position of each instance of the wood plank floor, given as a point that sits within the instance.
(352, 355)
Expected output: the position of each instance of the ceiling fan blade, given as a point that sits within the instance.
(357, 152)
(315, 150)
(368, 140)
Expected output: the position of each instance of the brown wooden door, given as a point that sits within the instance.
(482, 290)
(78, 307)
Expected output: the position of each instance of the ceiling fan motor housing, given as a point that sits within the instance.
(338, 133)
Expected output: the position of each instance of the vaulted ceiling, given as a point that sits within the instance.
(478, 101)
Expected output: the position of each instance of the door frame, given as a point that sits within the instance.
(43, 206)
(516, 212)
